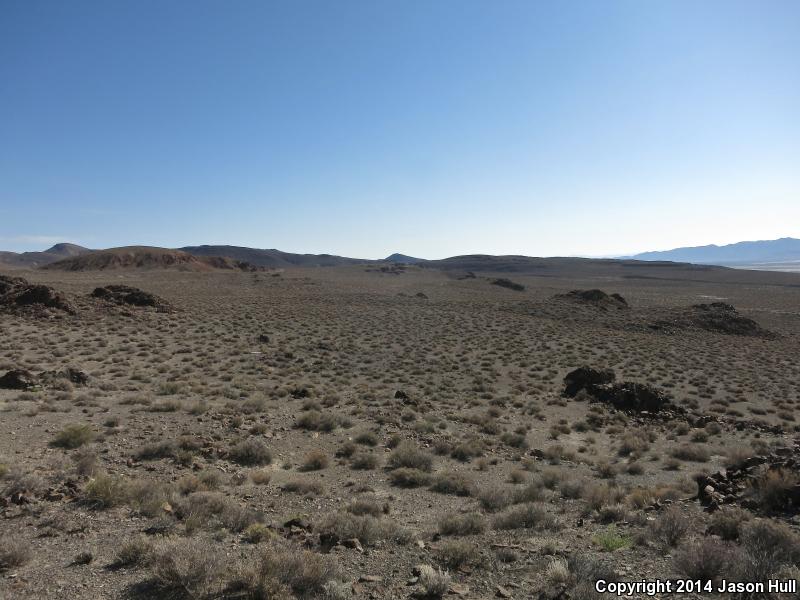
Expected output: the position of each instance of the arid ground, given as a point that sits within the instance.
(359, 432)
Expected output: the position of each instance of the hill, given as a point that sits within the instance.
(571, 267)
(31, 260)
(146, 257)
(764, 252)
(403, 259)
(271, 258)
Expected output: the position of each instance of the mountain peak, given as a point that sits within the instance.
(402, 258)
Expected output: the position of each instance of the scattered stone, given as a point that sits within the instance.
(735, 485)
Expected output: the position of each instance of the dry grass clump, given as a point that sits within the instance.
(306, 573)
(366, 506)
(205, 481)
(315, 420)
(671, 527)
(727, 522)
(203, 509)
(106, 491)
(435, 583)
(768, 546)
(774, 488)
(364, 461)
(367, 438)
(456, 553)
(409, 478)
(86, 462)
(133, 553)
(452, 483)
(157, 450)
(13, 553)
(691, 453)
(73, 436)
(257, 533)
(466, 524)
(316, 460)
(707, 559)
(306, 487)
(525, 516)
(365, 528)
(261, 476)
(185, 569)
(250, 452)
(467, 450)
(148, 497)
(495, 498)
(409, 456)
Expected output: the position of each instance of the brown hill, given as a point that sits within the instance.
(146, 257)
(31, 260)
(272, 258)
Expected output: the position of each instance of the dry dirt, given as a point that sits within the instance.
(257, 400)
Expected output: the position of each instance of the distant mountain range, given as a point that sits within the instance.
(783, 250)
(272, 258)
(31, 260)
(782, 254)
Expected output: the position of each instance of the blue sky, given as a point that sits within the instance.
(429, 128)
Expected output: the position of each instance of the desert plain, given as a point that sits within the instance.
(398, 431)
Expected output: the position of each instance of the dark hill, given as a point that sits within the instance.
(403, 259)
(271, 258)
(146, 257)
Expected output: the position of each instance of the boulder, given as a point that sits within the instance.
(18, 379)
(124, 294)
(584, 378)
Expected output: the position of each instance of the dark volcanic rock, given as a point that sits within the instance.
(16, 292)
(507, 283)
(595, 297)
(724, 318)
(123, 294)
(626, 395)
(741, 484)
(632, 397)
(585, 377)
(18, 379)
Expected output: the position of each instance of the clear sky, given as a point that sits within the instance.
(431, 128)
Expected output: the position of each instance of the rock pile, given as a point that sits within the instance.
(724, 318)
(17, 379)
(741, 484)
(507, 283)
(21, 379)
(596, 298)
(131, 296)
(628, 396)
(17, 293)
(717, 317)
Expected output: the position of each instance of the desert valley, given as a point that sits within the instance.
(179, 426)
